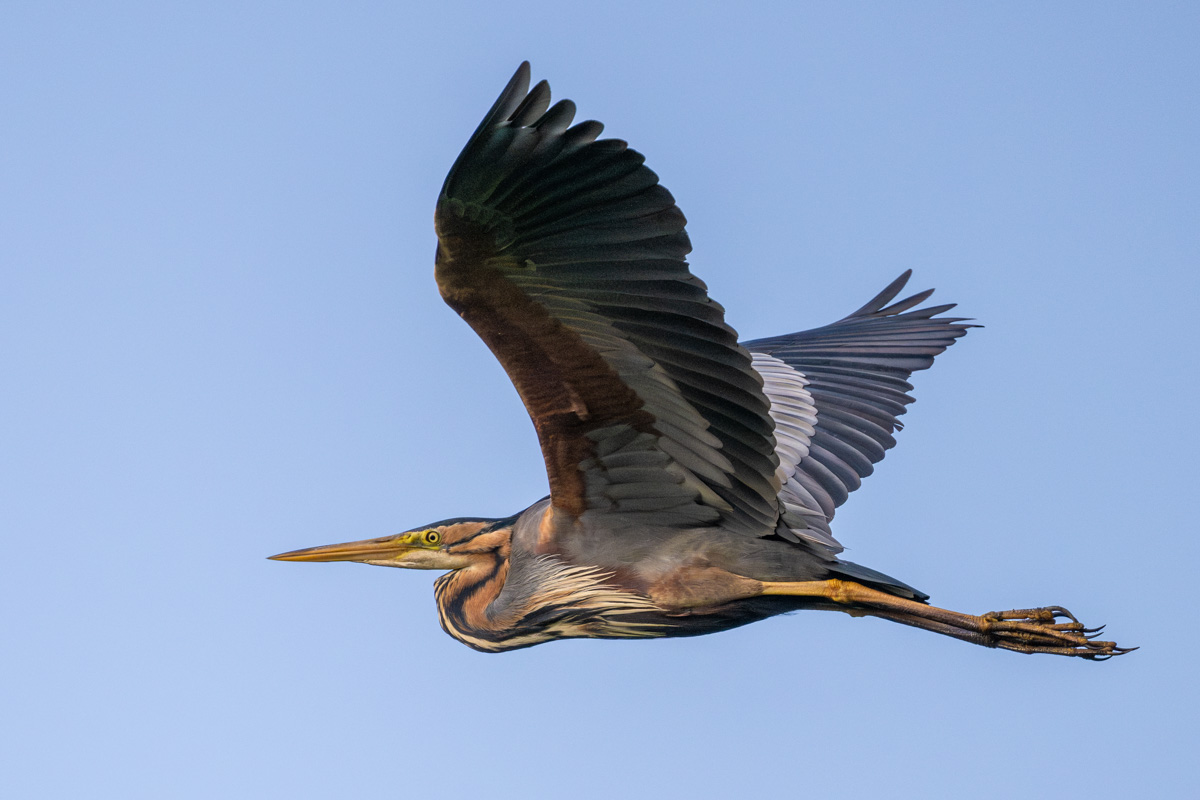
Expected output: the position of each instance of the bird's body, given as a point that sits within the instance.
(692, 478)
(649, 588)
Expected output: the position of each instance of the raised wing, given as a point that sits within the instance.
(567, 258)
(853, 374)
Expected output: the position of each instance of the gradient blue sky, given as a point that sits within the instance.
(220, 339)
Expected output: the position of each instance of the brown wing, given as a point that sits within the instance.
(567, 258)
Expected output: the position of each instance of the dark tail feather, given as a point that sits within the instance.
(876, 580)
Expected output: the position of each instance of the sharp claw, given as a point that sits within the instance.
(1064, 613)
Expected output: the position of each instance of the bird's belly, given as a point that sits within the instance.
(640, 624)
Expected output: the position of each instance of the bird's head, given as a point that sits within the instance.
(449, 544)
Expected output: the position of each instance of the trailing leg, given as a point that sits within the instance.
(1052, 629)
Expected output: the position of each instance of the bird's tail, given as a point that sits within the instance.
(876, 580)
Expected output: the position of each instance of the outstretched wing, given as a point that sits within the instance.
(853, 376)
(566, 256)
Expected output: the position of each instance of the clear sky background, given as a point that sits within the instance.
(220, 339)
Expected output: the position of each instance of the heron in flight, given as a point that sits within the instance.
(693, 478)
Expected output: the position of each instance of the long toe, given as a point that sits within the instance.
(1036, 630)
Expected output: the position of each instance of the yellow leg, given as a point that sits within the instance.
(1033, 630)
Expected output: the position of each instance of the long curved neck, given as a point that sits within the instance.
(464, 596)
(470, 604)
(495, 605)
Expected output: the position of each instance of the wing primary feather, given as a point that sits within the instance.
(884, 297)
(532, 107)
(556, 121)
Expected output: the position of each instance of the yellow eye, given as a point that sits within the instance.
(431, 537)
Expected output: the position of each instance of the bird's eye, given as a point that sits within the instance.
(432, 537)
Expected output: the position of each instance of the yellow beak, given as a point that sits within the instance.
(368, 550)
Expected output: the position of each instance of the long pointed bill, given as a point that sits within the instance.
(368, 550)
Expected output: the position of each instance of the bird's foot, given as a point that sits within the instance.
(1052, 629)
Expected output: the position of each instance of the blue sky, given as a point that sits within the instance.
(220, 339)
